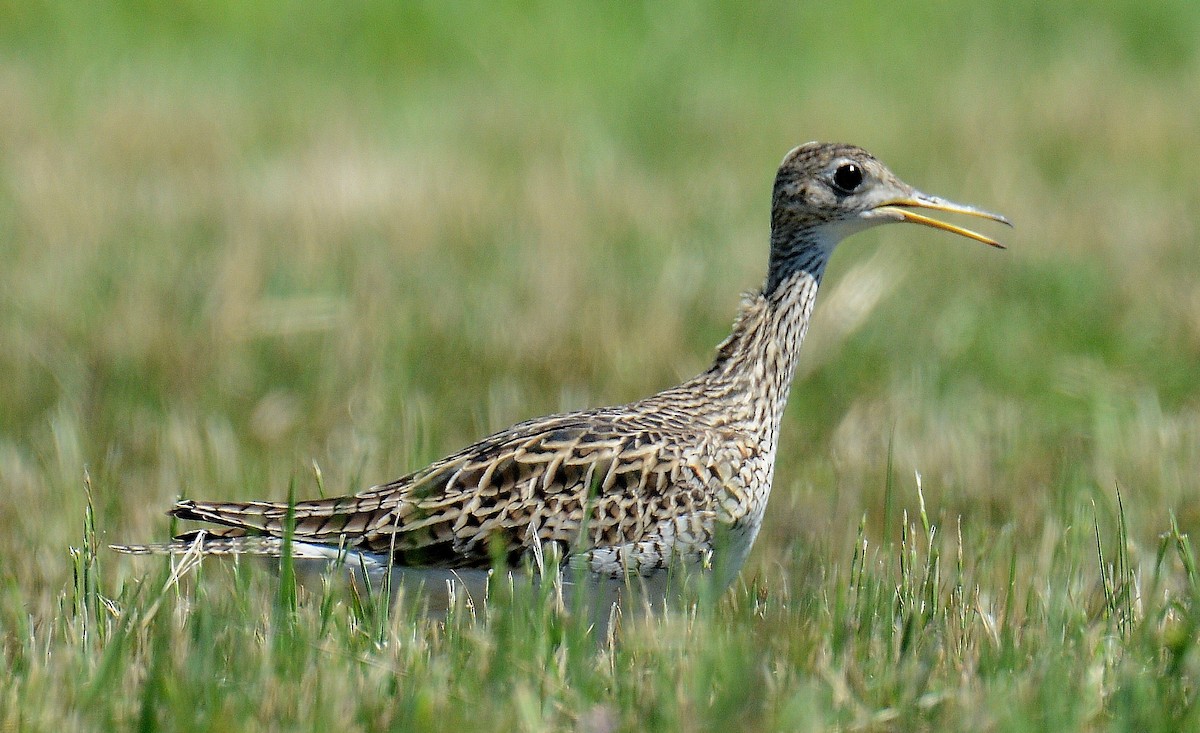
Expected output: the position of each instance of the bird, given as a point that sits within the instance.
(620, 496)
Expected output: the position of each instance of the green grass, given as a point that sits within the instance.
(238, 240)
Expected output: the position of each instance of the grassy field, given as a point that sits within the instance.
(240, 240)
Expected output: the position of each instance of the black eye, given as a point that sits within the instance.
(847, 177)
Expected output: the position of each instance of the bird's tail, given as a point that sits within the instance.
(228, 542)
(257, 527)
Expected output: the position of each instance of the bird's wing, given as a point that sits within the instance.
(576, 480)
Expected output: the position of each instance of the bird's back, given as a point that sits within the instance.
(626, 490)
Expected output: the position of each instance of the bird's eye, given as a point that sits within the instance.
(847, 177)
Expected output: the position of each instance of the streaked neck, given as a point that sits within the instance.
(758, 360)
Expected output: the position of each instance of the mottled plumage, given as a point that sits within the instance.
(628, 491)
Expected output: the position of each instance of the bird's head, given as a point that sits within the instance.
(825, 192)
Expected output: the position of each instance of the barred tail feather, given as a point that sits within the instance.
(210, 542)
(324, 520)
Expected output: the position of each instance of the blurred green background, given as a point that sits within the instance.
(237, 238)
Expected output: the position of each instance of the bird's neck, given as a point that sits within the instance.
(755, 365)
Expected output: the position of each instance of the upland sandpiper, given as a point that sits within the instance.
(622, 494)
